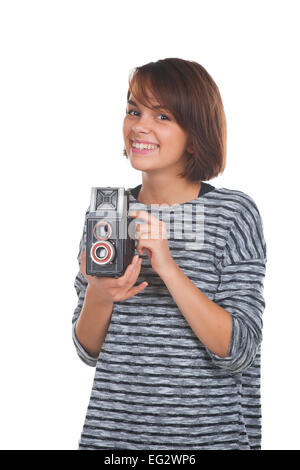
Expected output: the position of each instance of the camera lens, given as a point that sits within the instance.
(102, 230)
(102, 252)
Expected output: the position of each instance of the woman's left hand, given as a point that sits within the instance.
(153, 238)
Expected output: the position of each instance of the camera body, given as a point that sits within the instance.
(109, 248)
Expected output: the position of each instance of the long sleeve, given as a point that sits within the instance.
(80, 285)
(240, 290)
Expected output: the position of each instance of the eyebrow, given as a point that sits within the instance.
(154, 107)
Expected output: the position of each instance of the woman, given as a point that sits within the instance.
(176, 339)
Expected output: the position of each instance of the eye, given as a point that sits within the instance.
(134, 111)
(130, 110)
(164, 116)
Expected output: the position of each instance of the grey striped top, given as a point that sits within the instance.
(156, 386)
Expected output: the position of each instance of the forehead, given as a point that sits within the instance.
(151, 100)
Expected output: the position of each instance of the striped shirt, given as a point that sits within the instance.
(156, 386)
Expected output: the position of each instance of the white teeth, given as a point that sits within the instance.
(143, 146)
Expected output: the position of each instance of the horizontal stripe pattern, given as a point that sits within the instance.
(156, 386)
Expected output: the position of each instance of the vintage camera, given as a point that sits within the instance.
(109, 246)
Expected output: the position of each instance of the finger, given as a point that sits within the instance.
(140, 228)
(134, 267)
(154, 232)
(148, 252)
(123, 280)
(143, 229)
(140, 246)
(135, 272)
(144, 215)
(137, 289)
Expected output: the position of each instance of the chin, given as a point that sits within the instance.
(139, 160)
(138, 166)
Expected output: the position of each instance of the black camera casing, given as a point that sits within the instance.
(109, 247)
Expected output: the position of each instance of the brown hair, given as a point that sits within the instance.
(187, 90)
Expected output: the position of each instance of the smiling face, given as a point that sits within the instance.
(158, 127)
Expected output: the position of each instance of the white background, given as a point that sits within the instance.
(64, 79)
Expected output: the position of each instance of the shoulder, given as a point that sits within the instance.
(246, 231)
(237, 201)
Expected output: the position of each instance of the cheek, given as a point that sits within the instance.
(175, 141)
(125, 126)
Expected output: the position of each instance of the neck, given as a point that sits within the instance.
(160, 189)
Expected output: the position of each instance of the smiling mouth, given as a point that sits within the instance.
(143, 150)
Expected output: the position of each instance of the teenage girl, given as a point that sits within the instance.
(176, 339)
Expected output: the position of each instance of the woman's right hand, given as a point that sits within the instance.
(108, 289)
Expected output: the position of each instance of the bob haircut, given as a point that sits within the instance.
(187, 90)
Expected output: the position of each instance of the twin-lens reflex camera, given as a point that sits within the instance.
(109, 246)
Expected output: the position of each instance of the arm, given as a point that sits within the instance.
(87, 351)
(96, 297)
(210, 322)
(230, 327)
(92, 324)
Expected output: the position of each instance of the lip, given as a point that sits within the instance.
(142, 151)
(144, 142)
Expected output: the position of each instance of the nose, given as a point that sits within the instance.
(142, 125)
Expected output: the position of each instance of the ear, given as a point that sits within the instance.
(190, 149)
